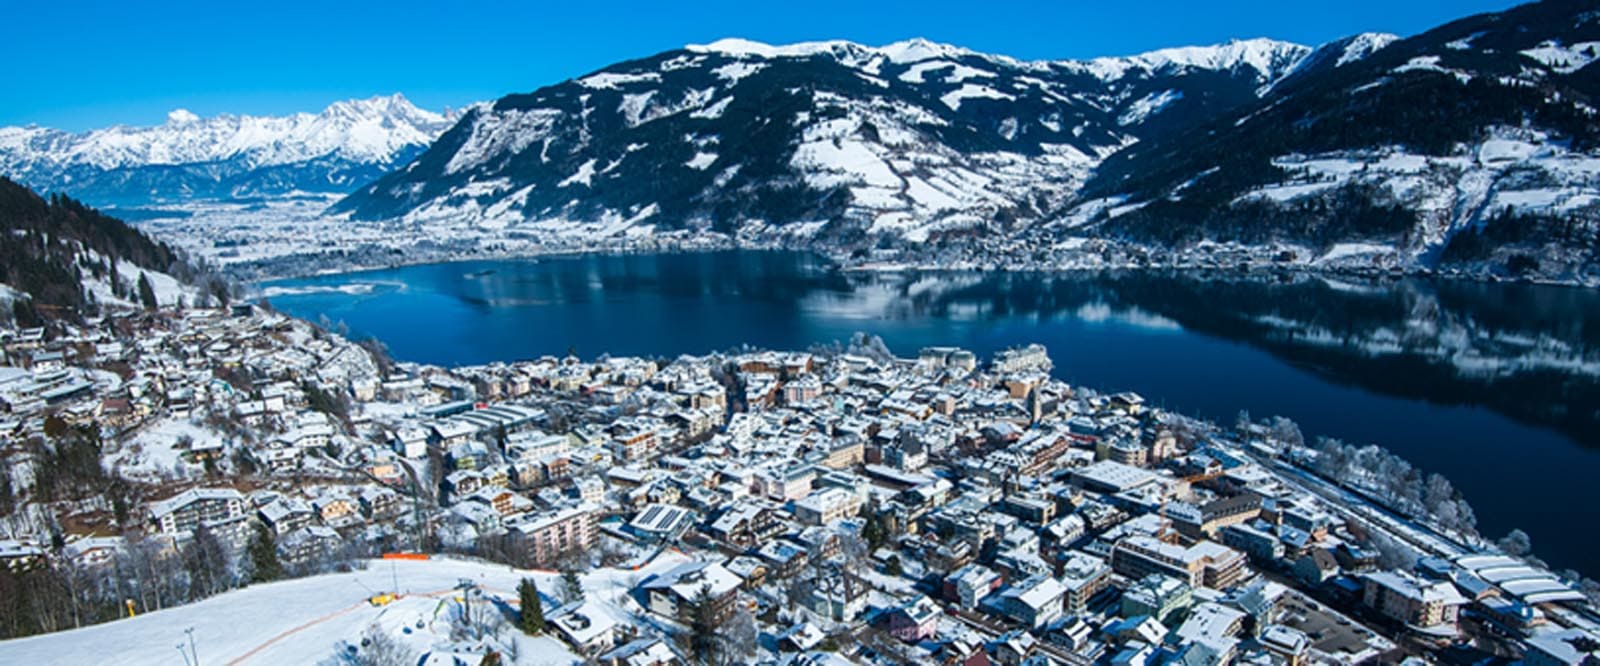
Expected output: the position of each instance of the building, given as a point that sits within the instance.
(1109, 476)
(845, 454)
(1204, 521)
(187, 510)
(802, 390)
(1157, 596)
(674, 593)
(586, 627)
(560, 532)
(970, 584)
(661, 522)
(1261, 544)
(1205, 563)
(1022, 359)
(1035, 602)
(1083, 576)
(1287, 644)
(1425, 605)
(956, 358)
(787, 484)
(841, 597)
(286, 515)
(1127, 452)
(1562, 647)
(1213, 627)
(827, 506)
(914, 621)
(641, 652)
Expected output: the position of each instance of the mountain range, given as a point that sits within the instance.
(1472, 145)
(1476, 140)
(830, 140)
(224, 157)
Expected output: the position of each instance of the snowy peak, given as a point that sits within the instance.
(903, 52)
(1362, 46)
(913, 139)
(1468, 145)
(364, 130)
(1270, 59)
(375, 132)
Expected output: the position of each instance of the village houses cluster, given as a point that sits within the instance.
(860, 507)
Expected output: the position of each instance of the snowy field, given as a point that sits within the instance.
(310, 620)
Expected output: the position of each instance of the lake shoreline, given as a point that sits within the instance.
(845, 264)
(1441, 371)
(936, 269)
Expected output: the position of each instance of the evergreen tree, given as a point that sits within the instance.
(872, 531)
(531, 620)
(7, 495)
(571, 587)
(704, 641)
(147, 293)
(893, 567)
(263, 552)
(23, 314)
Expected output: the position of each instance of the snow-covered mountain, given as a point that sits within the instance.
(1475, 145)
(834, 140)
(227, 156)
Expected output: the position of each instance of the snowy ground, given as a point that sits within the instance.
(152, 453)
(306, 621)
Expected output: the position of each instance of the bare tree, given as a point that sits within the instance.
(739, 636)
(1516, 544)
(1286, 433)
(378, 648)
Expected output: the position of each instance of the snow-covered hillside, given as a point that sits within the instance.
(1511, 170)
(320, 619)
(1469, 147)
(913, 140)
(228, 155)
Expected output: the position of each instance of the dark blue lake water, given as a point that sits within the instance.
(1496, 386)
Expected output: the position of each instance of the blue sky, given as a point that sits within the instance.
(79, 65)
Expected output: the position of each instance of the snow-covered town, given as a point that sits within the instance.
(800, 334)
(834, 505)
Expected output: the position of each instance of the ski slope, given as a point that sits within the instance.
(307, 621)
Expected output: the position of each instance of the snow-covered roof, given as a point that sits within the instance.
(687, 579)
(190, 496)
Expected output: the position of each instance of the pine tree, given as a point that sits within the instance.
(572, 588)
(872, 531)
(147, 293)
(263, 552)
(893, 566)
(531, 620)
(7, 495)
(704, 640)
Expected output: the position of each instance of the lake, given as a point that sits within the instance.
(1495, 386)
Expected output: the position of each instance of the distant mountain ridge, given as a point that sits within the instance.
(1473, 144)
(1471, 147)
(226, 156)
(831, 140)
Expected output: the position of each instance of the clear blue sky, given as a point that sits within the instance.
(79, 65)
